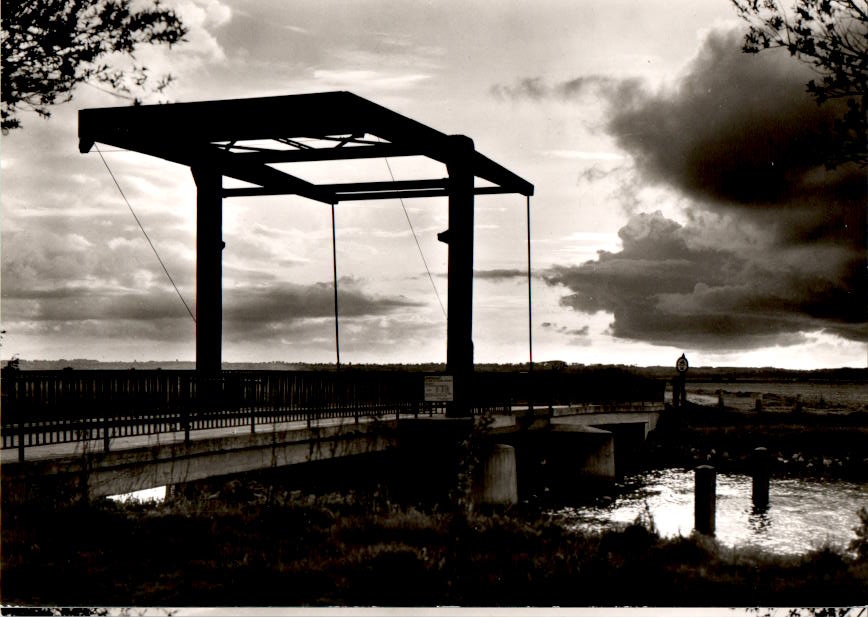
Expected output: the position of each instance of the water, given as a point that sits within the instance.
(803, 514)
(149, 494)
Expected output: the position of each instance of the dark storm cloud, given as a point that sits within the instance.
(740, 134)
(495, 274)
(530, 88)
(290, 301)
(583, 331)
(61, 252)
(663, 290)
(74, 311)
(536, 89)
(775, 242)
(249, 315)
(499, 274)
(254, 313)
(66, 293)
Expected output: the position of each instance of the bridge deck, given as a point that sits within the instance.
(146, 461)
(569, 414)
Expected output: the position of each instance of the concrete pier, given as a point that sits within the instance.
(499, 484)
(583, 452)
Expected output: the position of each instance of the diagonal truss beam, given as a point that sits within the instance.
(270, 181)
(269, 178)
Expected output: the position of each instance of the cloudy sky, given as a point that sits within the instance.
(682, 203)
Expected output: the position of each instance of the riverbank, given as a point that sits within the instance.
(798, 443)
(250, 544)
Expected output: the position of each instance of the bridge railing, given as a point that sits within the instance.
(52, 407)
(49, 407)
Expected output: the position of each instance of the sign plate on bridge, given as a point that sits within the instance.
(439, 388)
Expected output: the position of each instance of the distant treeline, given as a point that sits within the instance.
(721, 374)
(725, 374)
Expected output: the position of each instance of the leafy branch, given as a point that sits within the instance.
(50, 46)
(831, 36)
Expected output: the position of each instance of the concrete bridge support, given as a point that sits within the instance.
(498, 484)
(432, 454)
(629, 440)
(582, 453)
(564, 459)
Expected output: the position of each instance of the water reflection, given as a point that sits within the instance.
(802, 514)
(759, 520)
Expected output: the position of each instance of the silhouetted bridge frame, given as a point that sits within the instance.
(244, 138)
(53, 407)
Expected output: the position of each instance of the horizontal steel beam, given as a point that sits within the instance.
(255, 191)
(331, 154)
(393, 185)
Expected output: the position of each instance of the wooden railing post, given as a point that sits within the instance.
(21, 439)
(356, 407)
(105, 433)
(185, 421)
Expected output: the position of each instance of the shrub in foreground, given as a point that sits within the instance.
(291, 549)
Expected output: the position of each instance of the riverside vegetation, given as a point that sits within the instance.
(798, 443)
(340, 534)
(255, 541)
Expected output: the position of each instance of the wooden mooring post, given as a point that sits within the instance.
(705, 499)
(760, 479)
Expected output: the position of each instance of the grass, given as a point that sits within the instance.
(259, 541)
(237, 545)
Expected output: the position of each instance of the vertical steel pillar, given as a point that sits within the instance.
(459, 324)
(209, 269)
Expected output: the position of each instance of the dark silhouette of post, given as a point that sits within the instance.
(209, 269)
(705, 499)
(760, 479)
(459, 323)
(679, 390)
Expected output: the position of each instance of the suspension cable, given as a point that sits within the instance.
(418, 246)
(153, 248)
(335, 279)
(529, 315)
